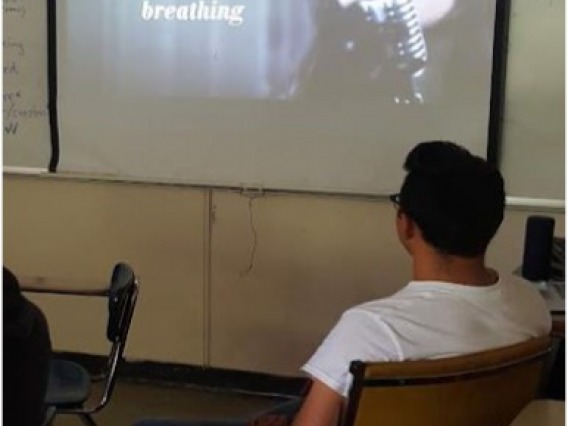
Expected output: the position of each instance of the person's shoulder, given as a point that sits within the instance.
(520, 286)
(524, 295)
(364, 313)
(409, 293)
(379, 308)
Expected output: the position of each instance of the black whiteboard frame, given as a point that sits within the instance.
(52, 84)
(498, 80)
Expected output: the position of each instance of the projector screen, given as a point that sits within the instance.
(316, 95)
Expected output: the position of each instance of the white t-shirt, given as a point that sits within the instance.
(427, 320)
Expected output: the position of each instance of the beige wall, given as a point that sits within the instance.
(226, 280)
(77, 231)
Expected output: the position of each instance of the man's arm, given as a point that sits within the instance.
(322, 407)
(357, 335)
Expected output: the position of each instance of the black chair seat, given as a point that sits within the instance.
(69, 384)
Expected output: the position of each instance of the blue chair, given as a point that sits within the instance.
(69, 384)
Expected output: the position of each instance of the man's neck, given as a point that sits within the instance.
(453, 269)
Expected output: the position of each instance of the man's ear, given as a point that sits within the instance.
(406, 226)
(407, 231)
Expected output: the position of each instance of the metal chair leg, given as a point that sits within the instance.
(49, 416)
(87, 420)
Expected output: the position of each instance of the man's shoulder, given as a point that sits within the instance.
(522, 289)
(404, 297)
(381, 308)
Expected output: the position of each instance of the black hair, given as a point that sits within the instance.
(457, 199)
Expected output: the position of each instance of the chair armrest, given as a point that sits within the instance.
(63, 287)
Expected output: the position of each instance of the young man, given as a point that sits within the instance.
(449, 208)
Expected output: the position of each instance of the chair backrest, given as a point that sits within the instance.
(123, 292)
(487, 388)
(122, 284)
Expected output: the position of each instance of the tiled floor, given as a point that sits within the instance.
(134, 401)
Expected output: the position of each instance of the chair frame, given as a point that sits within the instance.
(114, 358)
(359, 369)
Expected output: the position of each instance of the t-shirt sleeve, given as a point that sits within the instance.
(357, 336)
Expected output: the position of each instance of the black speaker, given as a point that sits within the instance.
(538, 248)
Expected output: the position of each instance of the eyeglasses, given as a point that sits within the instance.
(395, 199)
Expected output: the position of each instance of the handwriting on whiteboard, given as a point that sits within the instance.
(24, 96)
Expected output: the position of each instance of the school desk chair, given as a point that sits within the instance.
(69, 383)
(487, 388)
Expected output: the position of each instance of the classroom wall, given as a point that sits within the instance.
(227, 280)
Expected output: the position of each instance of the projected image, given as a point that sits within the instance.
(319, 95)
(401, 51)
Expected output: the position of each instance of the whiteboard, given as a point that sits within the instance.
(533, 146)
(532, 151)
(26, 141)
